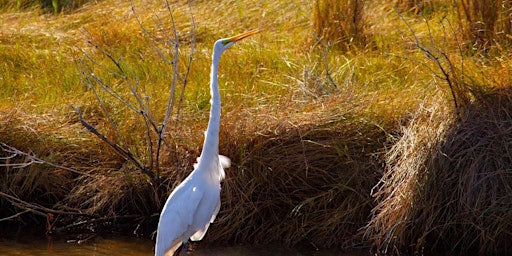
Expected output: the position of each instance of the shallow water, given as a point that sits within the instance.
(129, 246)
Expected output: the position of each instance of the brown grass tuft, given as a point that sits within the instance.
(46, 5)
(485, 24)
(340, 22)
(299, 176)
(84, 176)
(447, 187)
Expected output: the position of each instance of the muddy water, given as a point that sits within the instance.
(111, 246)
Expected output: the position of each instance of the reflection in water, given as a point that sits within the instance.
(95, 246)
(112, 246)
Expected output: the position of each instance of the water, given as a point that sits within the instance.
(129, 246)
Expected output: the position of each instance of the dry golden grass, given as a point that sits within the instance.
(399, 192)
(486, 25)
(302, 176)
(306, 128)
(340, 22)
(447, 184)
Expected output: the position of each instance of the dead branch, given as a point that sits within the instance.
(446, 70)
(155, 130)
(35, 208)
(14, 215)
(33, 160)
(94, 220)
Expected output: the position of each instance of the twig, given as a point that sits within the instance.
(33, 160)
(35, 208)
(437, 60)
(334, 85)
(14, 216)
(189, 63)
(121, 151)
(175, 74)
(89, 221)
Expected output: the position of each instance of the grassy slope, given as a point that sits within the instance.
(40, 47)
(286, 135)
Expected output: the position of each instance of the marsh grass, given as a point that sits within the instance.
(315, 191)
(340, 22)
(45, 185)
(310, 129)
(453, 174)
(54, 6)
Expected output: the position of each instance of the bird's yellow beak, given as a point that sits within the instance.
(243, 35)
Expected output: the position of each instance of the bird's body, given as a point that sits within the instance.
(194, 204)
(190, 208)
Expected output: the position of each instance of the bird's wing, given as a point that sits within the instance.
(177, 216)
(206, 211)
(198, 236)
(215, 212)
(224, 162)
(201, 232)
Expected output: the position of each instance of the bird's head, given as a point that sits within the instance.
(222, 44)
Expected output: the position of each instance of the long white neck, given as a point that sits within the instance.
(211, 141)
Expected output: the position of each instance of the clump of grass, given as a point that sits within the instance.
(399, 190)
(486, 25)
(67, 172)
(47, 137)
(447, 185)
(299, 177)
(340, 22)
(54, 6)
(423, 7)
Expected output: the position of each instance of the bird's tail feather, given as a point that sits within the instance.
(225, 162)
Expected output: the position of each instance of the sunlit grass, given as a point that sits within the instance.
(294, 110)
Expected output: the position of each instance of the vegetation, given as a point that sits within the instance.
(340, 22)
(393, 133)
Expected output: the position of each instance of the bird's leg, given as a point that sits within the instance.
(184, 248)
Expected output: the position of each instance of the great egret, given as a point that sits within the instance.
(194, 204)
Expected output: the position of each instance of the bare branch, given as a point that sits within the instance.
(95, 220)
(14, 215)
(189, 63)
(33, 160)
(175, 74)
(154, 131)
(333, 84)
(35, 208)
(436, 56)
(121, 151)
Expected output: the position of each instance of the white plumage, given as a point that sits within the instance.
(194, 204)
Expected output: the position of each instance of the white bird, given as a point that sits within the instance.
(194, 204)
